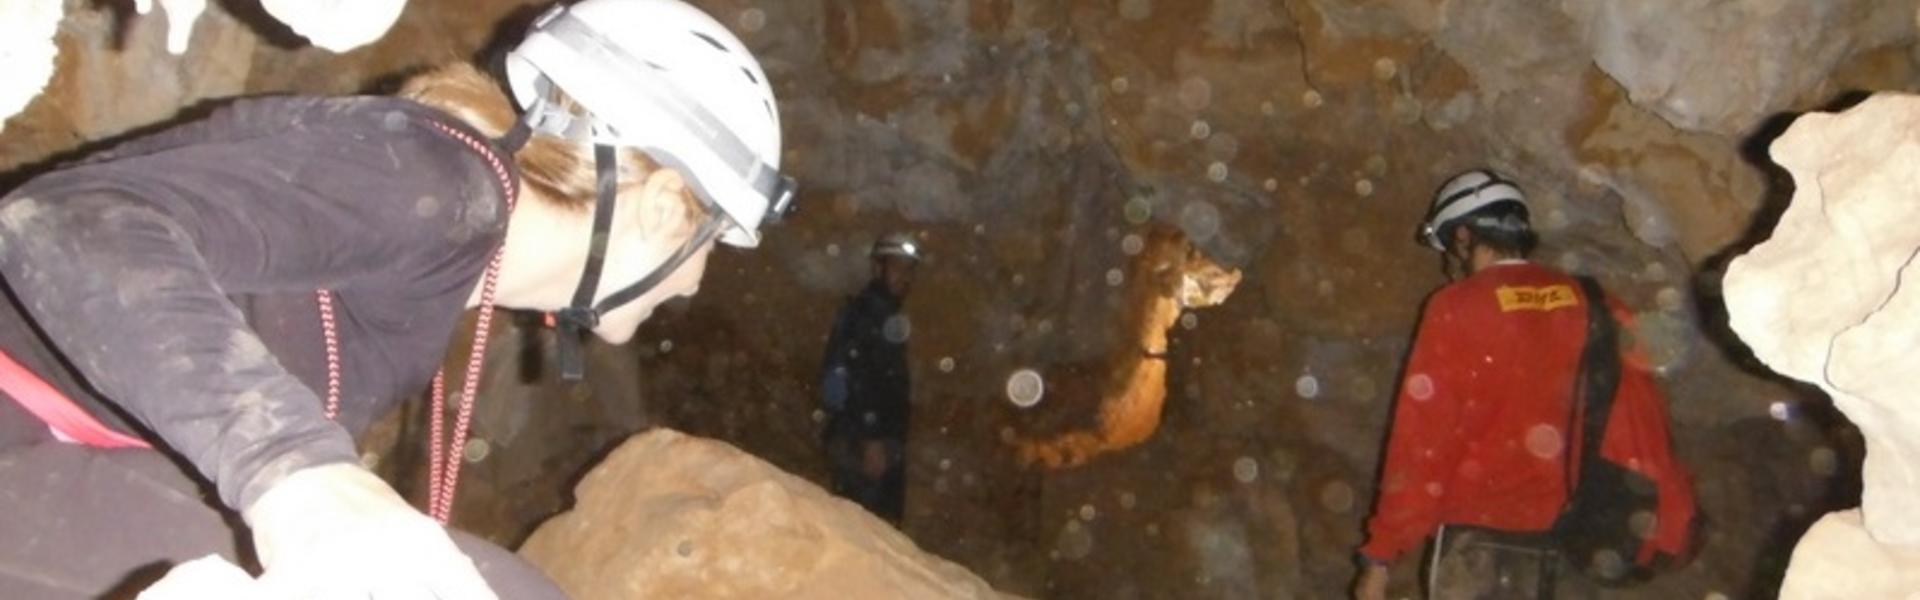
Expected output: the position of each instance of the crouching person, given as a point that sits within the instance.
(228, 304)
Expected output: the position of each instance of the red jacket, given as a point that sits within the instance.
(1479, 425)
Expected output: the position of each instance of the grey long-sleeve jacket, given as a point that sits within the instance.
(168, 284)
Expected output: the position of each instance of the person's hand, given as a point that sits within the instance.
(1372, 584)
(337, 531)
(207, 578)
(876, 459)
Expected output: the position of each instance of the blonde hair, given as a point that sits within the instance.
(559, 170)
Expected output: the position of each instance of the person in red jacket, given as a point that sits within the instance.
(1478, 447)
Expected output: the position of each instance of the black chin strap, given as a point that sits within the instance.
(584, 314)
(516, 137)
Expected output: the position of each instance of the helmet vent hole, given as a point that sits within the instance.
(710, 41)
(750, 77)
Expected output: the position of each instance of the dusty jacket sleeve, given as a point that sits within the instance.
(1422, 447)
(124, 294)
(131, 287)
(1639, 436)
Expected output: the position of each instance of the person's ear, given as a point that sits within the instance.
(661, 208)
(1462, 240)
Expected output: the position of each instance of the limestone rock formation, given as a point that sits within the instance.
(1125, 399)
(337, 25)
(1823, 301)
(672, 516)
(115, 74)
(1723, 67)
(1838, 558)
(26, 52)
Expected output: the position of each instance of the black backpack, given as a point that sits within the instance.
(1609, 510)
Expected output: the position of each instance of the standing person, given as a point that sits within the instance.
(229, 303)
(1479, 446)
(866, 388)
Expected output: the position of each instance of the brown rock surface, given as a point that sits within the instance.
(672, 516)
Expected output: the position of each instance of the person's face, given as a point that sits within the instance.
(649, 225)
(897, 272)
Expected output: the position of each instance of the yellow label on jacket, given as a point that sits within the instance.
(1543, 298)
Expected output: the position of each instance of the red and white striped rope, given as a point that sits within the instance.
(443, 472)
(332, 337)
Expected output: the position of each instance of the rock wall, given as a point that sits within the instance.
(1822, 300)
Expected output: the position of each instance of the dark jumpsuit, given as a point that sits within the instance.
(167, 286)
(867, 353)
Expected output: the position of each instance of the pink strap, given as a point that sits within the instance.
(68, 421)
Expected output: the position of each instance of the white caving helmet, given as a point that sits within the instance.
(665, 78)
(903, 245)
(1464, 195)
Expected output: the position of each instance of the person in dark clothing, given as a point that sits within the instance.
(866, 390)
(200, 323)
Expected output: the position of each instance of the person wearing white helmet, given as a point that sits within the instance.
(226, 305)
(1480, 449)
(866, 387)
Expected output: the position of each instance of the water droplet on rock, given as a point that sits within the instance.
(1824, 461)
(1246, 469)
(1307, 386)
(1337, 497)
(1138, 210)
(1384, 69)
(476, 450)
(1025, 388)
(753, 20)
(1196, 93)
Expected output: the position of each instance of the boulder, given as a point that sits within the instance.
(673, 516)
(1822, 301)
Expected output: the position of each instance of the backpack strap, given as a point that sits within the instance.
(1596, 381)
